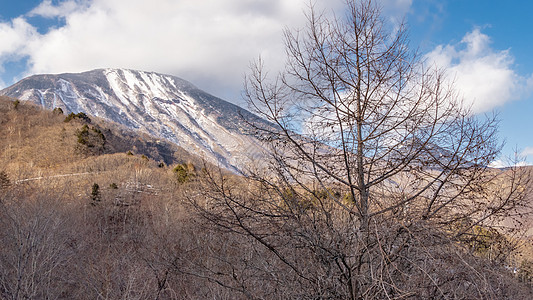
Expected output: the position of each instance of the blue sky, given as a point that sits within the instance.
(486, 45)
(508, 25)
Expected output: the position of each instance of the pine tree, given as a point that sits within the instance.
(96, 197)
(4, 180)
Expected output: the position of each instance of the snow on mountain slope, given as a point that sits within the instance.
(161, 105)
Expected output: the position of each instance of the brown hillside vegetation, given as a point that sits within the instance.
(106, 224)
(111, 225)
(33, 139)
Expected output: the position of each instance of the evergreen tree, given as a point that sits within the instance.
(96, 197)
(4, 180)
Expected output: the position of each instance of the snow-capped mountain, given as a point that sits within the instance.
(163, 106)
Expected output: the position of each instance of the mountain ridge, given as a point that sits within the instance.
(163, 106)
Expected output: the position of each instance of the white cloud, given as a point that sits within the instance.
(209, 42)
(396, 10)
(15, 36)
(528, 151)
(499, 164)
(520, 159)
(482, 75)
(47, 10)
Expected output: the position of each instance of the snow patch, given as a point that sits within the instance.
(157, 105)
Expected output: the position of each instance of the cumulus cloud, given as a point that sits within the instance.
(15, 36)
(482, 75)
(48, 10)
(210, 42)
(520, 160)
(500, 164)
(528, 151)
(396, 10)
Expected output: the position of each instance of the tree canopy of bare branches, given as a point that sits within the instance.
(379, 182)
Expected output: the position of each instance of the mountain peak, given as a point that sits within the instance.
(163, 106)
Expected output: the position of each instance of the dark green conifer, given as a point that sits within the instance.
(96, 197)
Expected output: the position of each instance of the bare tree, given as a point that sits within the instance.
(36, 250)
(379, 180)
